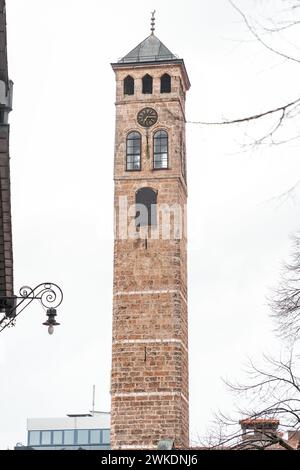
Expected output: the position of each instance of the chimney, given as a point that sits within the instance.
(258, 428)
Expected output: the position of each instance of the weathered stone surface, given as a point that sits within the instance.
(6, 253)
(149, 380)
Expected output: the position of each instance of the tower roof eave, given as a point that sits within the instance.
(150, 63)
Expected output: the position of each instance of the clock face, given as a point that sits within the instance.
(147, 117)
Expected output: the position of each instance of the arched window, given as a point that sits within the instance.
(128, 85)
(160, 153)
(133, 151)
(147, 84)
(146, 201)
(165, 83)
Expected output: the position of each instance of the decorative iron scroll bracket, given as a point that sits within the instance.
(48, 294)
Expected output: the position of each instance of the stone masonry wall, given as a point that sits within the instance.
(149, 381)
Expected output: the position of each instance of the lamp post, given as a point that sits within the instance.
(48, 294)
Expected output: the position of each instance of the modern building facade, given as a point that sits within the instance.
(81, 431)
(149, 380)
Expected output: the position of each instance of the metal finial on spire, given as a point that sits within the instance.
(152, 22)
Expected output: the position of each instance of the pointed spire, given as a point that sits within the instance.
(149, 50)
(152, 22)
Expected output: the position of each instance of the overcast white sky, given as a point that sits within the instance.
(62, 143)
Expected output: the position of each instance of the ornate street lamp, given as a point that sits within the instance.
(51, 322)
(48, 294)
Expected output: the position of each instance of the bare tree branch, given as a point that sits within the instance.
(282, 114)
(285, 303)
(279, 109)
(274, 390)
(259, 39)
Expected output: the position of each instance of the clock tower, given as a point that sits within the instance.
(149, 379)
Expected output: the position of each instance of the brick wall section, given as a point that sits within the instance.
(149, 380)
(6, 256)
(3, 43)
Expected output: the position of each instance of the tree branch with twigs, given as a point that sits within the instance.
(273, 389)
(282, 113)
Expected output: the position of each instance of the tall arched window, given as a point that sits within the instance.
(147, 84)
(133, 151)
(145, 201)
(160, 153)
(165, 83)
(128, 85)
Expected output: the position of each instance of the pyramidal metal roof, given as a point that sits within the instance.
(149, 50)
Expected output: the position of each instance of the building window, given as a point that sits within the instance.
(95, 436)
(160, 154)
(145, 200)
(57, 438)
(34, 438)
(46, 438)
(133, 151)
(147, 84)
(69, 437)
(165, 83)
(105, 436)
(83, 436)
(128, 85)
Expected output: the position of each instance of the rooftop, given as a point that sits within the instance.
(259, 422)
(149, 50)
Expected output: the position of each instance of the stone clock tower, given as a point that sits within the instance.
(149, 380)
